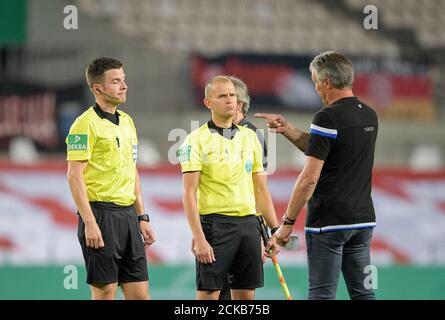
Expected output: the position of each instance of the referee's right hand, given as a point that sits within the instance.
(202, 250)
(93, 235)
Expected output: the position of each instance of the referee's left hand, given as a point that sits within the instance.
(147, 233)
(272, 248)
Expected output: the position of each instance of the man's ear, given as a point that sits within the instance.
(327, 83)
(207, 103)
(96, 88)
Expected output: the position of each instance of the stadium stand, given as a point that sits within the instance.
(209, 27)
(158, 40)
(422, 17)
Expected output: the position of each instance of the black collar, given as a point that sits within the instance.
(343, 100)
(243, 122)
(228, 133)
(114, 118)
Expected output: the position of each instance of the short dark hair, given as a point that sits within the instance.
(97, 68)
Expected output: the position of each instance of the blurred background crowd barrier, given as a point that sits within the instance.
(170, 48)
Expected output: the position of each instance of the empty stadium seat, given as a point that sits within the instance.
(254, 25)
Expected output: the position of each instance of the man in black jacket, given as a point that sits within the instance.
(336, 180)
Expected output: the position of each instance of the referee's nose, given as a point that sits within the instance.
(124, 86)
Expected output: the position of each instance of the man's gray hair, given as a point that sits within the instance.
(242, 93)
(209, 85)
(335, 67)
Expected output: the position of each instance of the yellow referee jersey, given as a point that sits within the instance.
(111, 152)
(226, 166)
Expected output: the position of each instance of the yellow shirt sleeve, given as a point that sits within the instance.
(257, 154)
(190, 154)
(80, 140)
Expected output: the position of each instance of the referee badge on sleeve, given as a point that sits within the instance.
(77, 142)
(184, 153)
(249, 166)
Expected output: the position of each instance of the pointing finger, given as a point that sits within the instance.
(267, 116)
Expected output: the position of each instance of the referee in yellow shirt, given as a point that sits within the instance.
(224, 184)
(104, 183)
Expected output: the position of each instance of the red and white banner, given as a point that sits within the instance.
(38, 223)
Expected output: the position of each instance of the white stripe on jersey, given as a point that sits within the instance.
(325, 130)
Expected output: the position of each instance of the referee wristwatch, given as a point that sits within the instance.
(144, 217)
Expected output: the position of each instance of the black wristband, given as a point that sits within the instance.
(288, 221)
(144, 217)
(273, 230)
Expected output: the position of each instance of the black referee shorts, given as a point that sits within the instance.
(123, 258)
(236, 243)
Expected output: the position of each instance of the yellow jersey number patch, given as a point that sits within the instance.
(135, 152)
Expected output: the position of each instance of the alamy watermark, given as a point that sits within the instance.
(71, 280)
(178, 135)
(371, 280)
(371, 21)
(71, 20)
